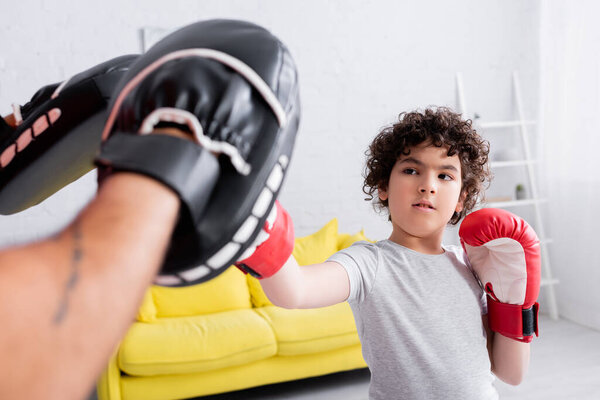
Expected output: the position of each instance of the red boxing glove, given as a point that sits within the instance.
(272, 247)
(504, 252)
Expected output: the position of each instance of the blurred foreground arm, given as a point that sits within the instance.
(67, 301)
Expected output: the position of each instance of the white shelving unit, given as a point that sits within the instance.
(528, 163)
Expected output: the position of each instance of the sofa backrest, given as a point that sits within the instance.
(228, 291)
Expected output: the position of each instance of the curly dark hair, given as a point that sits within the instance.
(443, 128)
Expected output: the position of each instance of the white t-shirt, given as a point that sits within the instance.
(419, 321)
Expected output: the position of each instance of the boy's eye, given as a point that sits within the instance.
(445, 177)
(410, 171)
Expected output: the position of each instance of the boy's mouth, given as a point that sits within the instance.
(424, 205)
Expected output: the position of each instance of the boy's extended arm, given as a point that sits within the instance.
(509, 358)
(284, 282)
(66, 302)
(309, 286)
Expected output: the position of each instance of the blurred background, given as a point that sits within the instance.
(526, 72)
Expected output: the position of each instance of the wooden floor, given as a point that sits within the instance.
(565, 365)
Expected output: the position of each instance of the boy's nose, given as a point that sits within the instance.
(427, 186)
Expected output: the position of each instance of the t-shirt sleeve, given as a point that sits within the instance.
(360, 262)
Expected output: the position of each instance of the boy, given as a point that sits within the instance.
(418, 307)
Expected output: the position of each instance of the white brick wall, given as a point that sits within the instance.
(361, 62)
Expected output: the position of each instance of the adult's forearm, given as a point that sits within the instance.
(66, 302)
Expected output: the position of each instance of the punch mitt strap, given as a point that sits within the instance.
(190, 171)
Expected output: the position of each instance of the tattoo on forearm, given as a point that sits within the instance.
(76, 257)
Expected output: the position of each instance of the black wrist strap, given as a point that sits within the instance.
(188, 169)
(530, 319)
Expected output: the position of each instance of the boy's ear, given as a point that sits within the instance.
(461, 201)
(382, 193)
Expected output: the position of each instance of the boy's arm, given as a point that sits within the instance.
(284, 282)
(65, 302)
(509, 358)
(309, 286)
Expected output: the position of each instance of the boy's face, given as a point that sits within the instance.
(424, 191)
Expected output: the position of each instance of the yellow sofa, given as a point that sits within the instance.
(225, 335)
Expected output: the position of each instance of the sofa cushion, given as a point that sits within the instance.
(311, 330)
(317, 247)
(345, 239)
(311, 249)
(194, 344)
(147, 311)
(228, 291)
